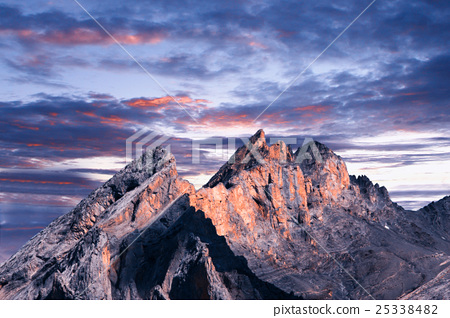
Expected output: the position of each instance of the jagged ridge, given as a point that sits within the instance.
(266, 226)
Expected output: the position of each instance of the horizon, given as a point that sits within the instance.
(71, 97)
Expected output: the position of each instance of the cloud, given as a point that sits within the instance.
(99, 96)
(61, 127)
(167, 101)
(185, 66)
(19, 222)
(46, 182)
(55, 129)
(85, 36)
(60, 28)
(226, 62)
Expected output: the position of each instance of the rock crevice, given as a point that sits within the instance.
(266, 226)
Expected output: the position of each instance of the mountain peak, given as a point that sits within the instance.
(147, 234)
(321, 164)
(314, 158)
(258, 137)
(140, 169)
(151, 159)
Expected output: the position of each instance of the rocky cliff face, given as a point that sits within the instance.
(77, 251)
(271, 224)
(437, 216)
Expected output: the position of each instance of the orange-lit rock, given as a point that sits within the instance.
(266, 226)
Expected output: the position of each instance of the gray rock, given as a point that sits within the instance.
(266, 226)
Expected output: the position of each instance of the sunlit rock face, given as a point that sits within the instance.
(270, 224)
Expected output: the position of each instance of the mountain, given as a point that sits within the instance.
(437, 215)
(270, 224)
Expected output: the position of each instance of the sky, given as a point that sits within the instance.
(70, 95)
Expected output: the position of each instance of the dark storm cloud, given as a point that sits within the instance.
(243, 32)
(412, 99)
(39, 134)
(309, 25)
(60, 28)
(414, 25)
(63, 140)
(57, 27)
(59, 128)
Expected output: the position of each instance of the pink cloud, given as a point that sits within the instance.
(85, 36)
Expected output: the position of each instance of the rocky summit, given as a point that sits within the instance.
(270, 224)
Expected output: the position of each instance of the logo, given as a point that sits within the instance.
(219, 148)
(144, 139)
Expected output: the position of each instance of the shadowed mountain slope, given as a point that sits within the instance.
(270, 224)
